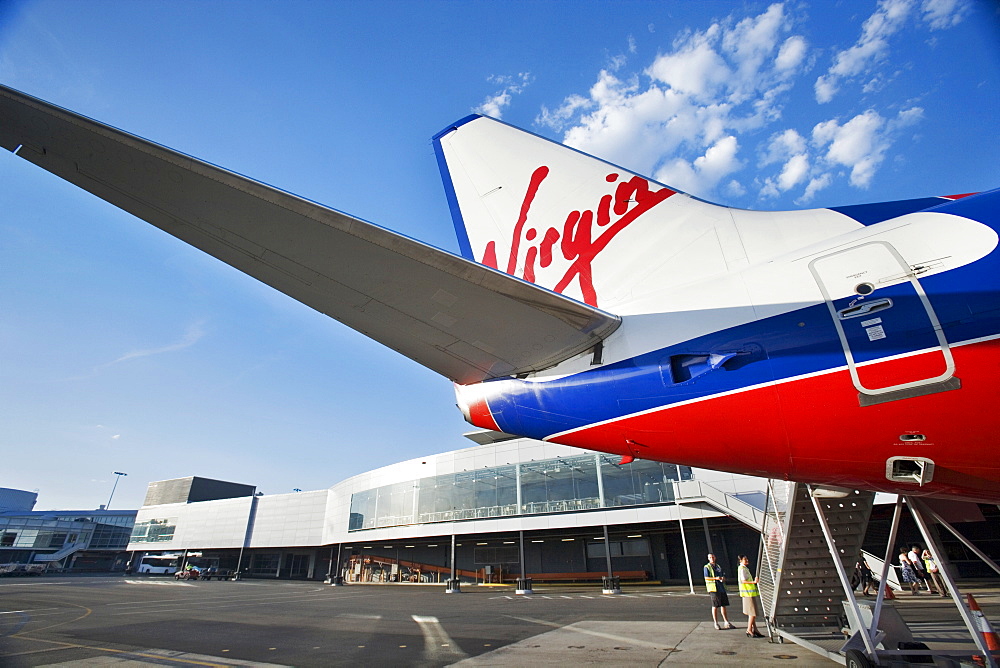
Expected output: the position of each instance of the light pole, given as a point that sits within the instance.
(118, 476)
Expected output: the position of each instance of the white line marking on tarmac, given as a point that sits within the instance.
(438, 645)
(159, 582)
(598, 634)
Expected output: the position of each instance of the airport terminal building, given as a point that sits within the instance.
(562, 508)
(78, 540)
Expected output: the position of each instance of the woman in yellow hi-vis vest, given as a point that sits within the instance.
(750, 596)
(715, 580)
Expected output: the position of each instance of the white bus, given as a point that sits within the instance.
(159, 564)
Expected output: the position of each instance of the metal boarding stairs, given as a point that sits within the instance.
(800, 589)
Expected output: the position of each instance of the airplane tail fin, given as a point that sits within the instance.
(580, 226)
(544, 212)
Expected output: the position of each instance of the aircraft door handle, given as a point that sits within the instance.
(867, 308)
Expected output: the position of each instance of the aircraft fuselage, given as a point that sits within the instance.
(885, 339)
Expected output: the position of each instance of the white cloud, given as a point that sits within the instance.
(815, 185)
(859, 144)
(686, 116)
(795, 171)
(706, 171)
(697, 70)
(871, 48)
(942, 14)
(193, 334)
(792, 53)
(494, 104)
(556, 119)
(909, 117)
(783, 145)
(735, 189)
(679, 118)
(826, 87)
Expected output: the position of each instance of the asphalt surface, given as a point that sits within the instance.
(104, 621)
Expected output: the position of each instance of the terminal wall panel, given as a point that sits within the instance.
(221, 523)
(209, 524)
(289, 520)
(17, 500)
(194, 489)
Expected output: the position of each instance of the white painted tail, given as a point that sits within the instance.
(577, 225)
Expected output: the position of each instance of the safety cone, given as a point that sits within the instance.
(889, 593)
(989, 635)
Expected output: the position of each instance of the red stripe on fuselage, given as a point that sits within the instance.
(481, 416)
(813, 429)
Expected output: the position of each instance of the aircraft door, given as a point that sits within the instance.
(881, 313)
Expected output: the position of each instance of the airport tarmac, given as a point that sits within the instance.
(120, 621)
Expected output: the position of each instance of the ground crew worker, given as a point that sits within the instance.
(715, 580)
(750, 596)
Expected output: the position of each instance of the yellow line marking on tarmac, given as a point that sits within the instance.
(111, 650)
(28, 635)
(22, 634)
(186, 605)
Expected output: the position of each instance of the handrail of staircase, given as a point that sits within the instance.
(875, 564)
(731, 505)
(64, 551)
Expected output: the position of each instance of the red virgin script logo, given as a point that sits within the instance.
(577, 243)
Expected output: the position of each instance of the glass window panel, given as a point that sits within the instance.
(563, 484)
(362, 508)
(264, 564)
(506, 482)
(635, 548)
(653, 482)
(463, 496)
(619, 486)
(395, 504)
(486, 491)
(534, 488)
(154, 531)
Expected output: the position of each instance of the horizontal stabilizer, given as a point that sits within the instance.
(459, 318)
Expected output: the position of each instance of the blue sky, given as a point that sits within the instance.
(124, 349)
